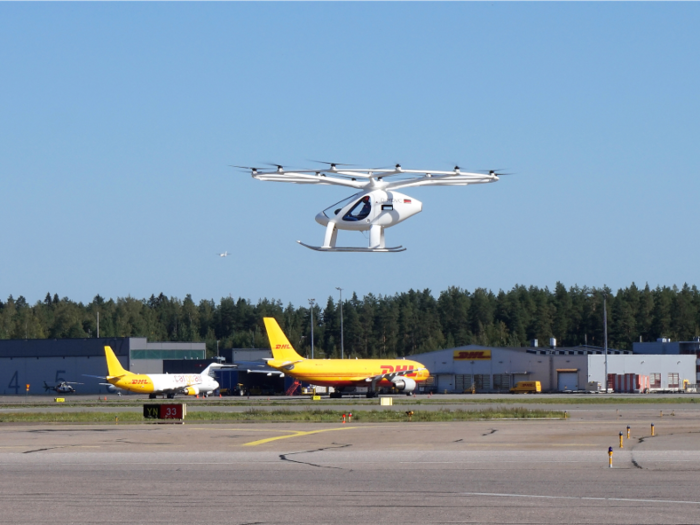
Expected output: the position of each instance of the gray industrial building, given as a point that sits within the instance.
(493, 369)
(35, 361)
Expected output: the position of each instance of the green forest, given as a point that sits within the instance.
(376, 326)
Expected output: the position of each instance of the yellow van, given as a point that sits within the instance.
(527, 387)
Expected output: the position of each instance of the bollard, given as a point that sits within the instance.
(116, 420)
(410, 415)
(652, 430)
(610, 457)
(343, 419)
(621, 440)
(661, 413)
(566, 414)
(628, 431)
(350, 417)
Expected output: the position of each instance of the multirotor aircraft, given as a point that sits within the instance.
(64, 387)
(377, 205)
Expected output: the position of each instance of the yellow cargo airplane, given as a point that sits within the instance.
(153, 384)
(402, 374)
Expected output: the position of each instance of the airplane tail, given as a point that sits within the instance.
(114, 367)
(279, 344)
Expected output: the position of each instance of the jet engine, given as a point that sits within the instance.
(404, 384)
(112, 389)
(192, 391)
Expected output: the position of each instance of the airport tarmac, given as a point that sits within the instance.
(540, 471)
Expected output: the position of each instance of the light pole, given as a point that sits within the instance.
(342, 346)
(605, 323)
(605, 337)
(311, 308)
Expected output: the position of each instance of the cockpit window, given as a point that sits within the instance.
(360, 210)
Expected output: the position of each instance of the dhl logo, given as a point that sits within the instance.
(139, 381)
(283, 347)
(388, 369)
(472, 355)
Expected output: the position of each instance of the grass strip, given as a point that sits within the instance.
(436, 400)
(308, 416)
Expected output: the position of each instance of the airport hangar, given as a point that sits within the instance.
(35, 361)
(496, 369)
(491, 369)
(32, 361)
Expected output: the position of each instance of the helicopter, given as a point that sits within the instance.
(377, 206)
(64, 387)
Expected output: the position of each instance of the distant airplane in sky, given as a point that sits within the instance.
(225, 254)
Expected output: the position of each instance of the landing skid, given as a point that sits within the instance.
(351, 249)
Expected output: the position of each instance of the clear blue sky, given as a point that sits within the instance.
(118, 121)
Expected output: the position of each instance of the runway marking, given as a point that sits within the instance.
(297, 433)
(632, 500)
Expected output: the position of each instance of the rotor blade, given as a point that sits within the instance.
(331, 163)
(244, 167)
(498, 173)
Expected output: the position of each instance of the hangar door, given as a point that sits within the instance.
(567, 381)
(445, 382)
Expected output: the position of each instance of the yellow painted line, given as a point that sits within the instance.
(297, 433)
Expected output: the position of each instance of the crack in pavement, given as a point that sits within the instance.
(284, 457)
(493, 431)
(41, 449)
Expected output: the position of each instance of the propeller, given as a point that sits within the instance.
(279, 167)
(331, 164)
(497, 172)
(254, 170)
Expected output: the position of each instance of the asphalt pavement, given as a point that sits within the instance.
(399, 473)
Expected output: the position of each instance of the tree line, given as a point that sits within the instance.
(376, 326)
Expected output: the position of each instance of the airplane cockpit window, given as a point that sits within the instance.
(360, 211)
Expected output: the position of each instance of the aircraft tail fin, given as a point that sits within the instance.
(114, 367)
(279, 344)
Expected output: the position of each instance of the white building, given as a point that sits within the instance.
(493, 369)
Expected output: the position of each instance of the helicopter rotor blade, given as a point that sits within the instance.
(331, 163)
